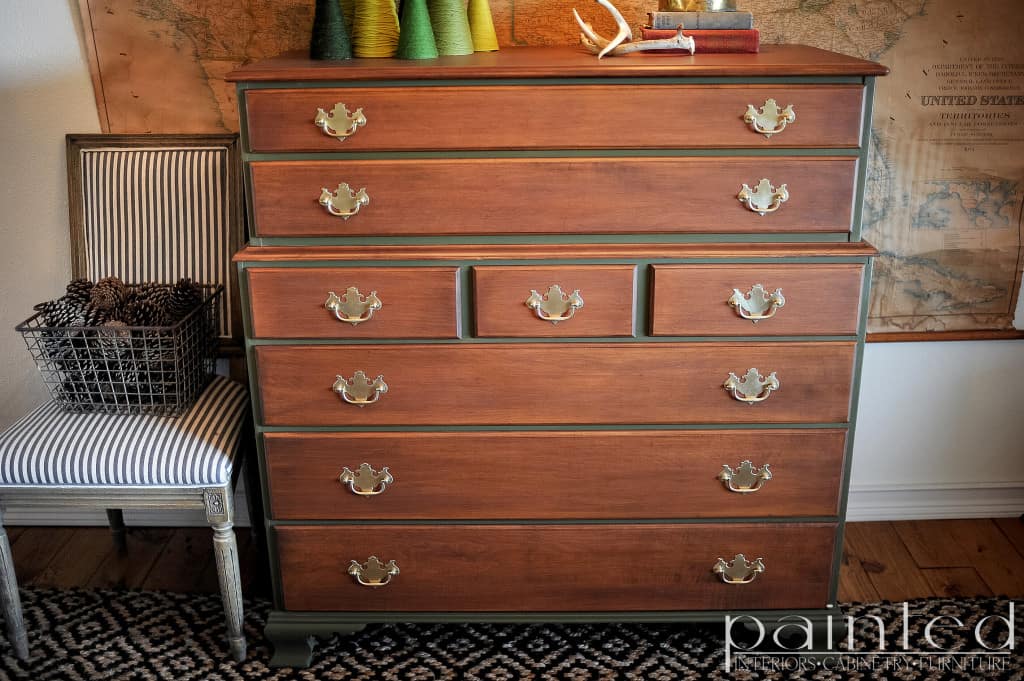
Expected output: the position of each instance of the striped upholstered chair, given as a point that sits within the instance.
(145, 209)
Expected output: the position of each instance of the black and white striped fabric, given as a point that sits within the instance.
(159, 215)
(52, 447)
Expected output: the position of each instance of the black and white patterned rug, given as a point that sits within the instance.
(141, 636)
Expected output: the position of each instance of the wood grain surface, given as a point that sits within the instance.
(545, 383)
(554, 117)
(416, 302)
(548, 62)
(552, 195)
(558, 475)
(500, 293)
(691, 300)
(555, 567)
(542, 251)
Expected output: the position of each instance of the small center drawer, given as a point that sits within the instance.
(551, 117)
(407, 302)
(555, 475)
(777, 300)
(554, 567)
(593, 300)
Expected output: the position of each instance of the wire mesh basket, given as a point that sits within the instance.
(127, 369)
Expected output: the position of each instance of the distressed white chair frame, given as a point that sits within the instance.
(217, 501)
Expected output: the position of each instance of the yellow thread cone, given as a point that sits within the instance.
(481, 25)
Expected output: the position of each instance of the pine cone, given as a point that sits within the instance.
(94, 315)
(62, 312)
(184, 297)
(143, 312)
(79, 290)
(156, 294)
(108, 293)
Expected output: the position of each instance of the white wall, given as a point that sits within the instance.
(941, 429)
(45, 91)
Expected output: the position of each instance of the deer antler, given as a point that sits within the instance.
(622, 42)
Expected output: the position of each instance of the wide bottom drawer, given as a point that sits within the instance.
(537, 568)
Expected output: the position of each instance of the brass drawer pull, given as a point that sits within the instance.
(739, 570)
(352, 306)
(744, 480)
(764, 198)
(360, 390)
(753, 387)
(373, 572)
(757, 304)
(555, 306)
(343, 202)
(769, 120)
(366, 482)
(340, 123)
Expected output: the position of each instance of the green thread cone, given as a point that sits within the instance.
(481, 26)
(416, 38)
(330, 38)
(451, 26)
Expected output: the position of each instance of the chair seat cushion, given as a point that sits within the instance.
(52, 447)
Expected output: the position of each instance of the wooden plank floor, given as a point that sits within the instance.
(895, 561)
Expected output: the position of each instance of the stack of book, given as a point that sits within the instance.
(711, 31)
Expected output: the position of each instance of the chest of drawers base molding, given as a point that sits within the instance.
(482, 393)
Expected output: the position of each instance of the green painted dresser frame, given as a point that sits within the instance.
(291, 632)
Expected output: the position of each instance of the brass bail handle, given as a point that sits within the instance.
(769, 119)
(753, 387)
(365, 481)
(352, 306)
(343, 202)
(340, 123)
(746, 479)
(359, 390)
(555, 305)
(373, 572)
(757, 303)
(739, 570)
(764, 198)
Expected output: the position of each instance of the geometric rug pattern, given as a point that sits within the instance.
(78, 635)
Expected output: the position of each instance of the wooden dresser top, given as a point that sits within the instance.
(562, 62)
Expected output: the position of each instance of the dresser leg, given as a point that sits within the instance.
(293, 644)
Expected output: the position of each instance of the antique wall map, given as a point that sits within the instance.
(946, 179)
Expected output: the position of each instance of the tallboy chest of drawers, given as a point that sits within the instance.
(534, 336)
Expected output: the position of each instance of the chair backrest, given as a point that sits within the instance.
(158, 208)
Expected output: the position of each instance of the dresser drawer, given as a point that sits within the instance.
(414, 302)
(545, 383)
(553, 475)
(475, 568)
(694, 300)
(548, 195)
(593, 300)
(552, 117)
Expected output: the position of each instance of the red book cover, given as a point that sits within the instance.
(748, 40)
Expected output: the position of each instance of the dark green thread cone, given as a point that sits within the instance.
(330, 35)
(416, 38)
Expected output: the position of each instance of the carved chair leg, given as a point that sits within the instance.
(11, 599)
(115, 518)
(225, 549)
